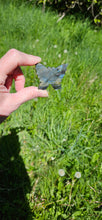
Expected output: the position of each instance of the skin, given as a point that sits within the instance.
(10, 69)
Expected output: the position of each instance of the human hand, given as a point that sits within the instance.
(10, 69)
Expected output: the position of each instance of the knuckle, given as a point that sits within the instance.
(13, 52)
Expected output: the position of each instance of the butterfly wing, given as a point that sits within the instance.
(58, 75)
(42, 72)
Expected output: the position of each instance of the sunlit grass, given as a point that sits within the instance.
(61, 132)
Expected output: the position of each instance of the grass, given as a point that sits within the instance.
(59, 132)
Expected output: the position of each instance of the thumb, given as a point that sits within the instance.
(25, 95)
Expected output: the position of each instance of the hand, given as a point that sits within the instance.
(10, 69)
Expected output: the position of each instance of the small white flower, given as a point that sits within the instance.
(76, 53)
(64, 139)
(45, 63)
(37, 146)
(52, 158)
(78, 175)
(55, 46)
(37, 40)
(34, 149)
(65, 51)
(61, 172)
(59, 55)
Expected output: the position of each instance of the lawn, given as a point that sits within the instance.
(51, 148)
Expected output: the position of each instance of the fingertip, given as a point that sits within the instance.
(28, 93)
(43, 93)
(37, 59)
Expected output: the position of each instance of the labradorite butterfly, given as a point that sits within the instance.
(50, 76)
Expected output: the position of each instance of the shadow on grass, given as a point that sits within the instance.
(14, 180)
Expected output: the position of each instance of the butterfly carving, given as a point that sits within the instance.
(50, 76)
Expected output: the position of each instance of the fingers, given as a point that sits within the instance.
(14, 58)
(19, 79)
(10, 69)
(10, 102)
(29, 93)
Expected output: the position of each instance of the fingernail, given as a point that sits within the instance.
(37, 60)
(41, 93)
(45, 93)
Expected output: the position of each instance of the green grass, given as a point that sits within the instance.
(63, 131)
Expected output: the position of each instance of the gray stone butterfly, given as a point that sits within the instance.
(50, 76)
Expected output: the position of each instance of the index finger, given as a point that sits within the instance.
(14, 58)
